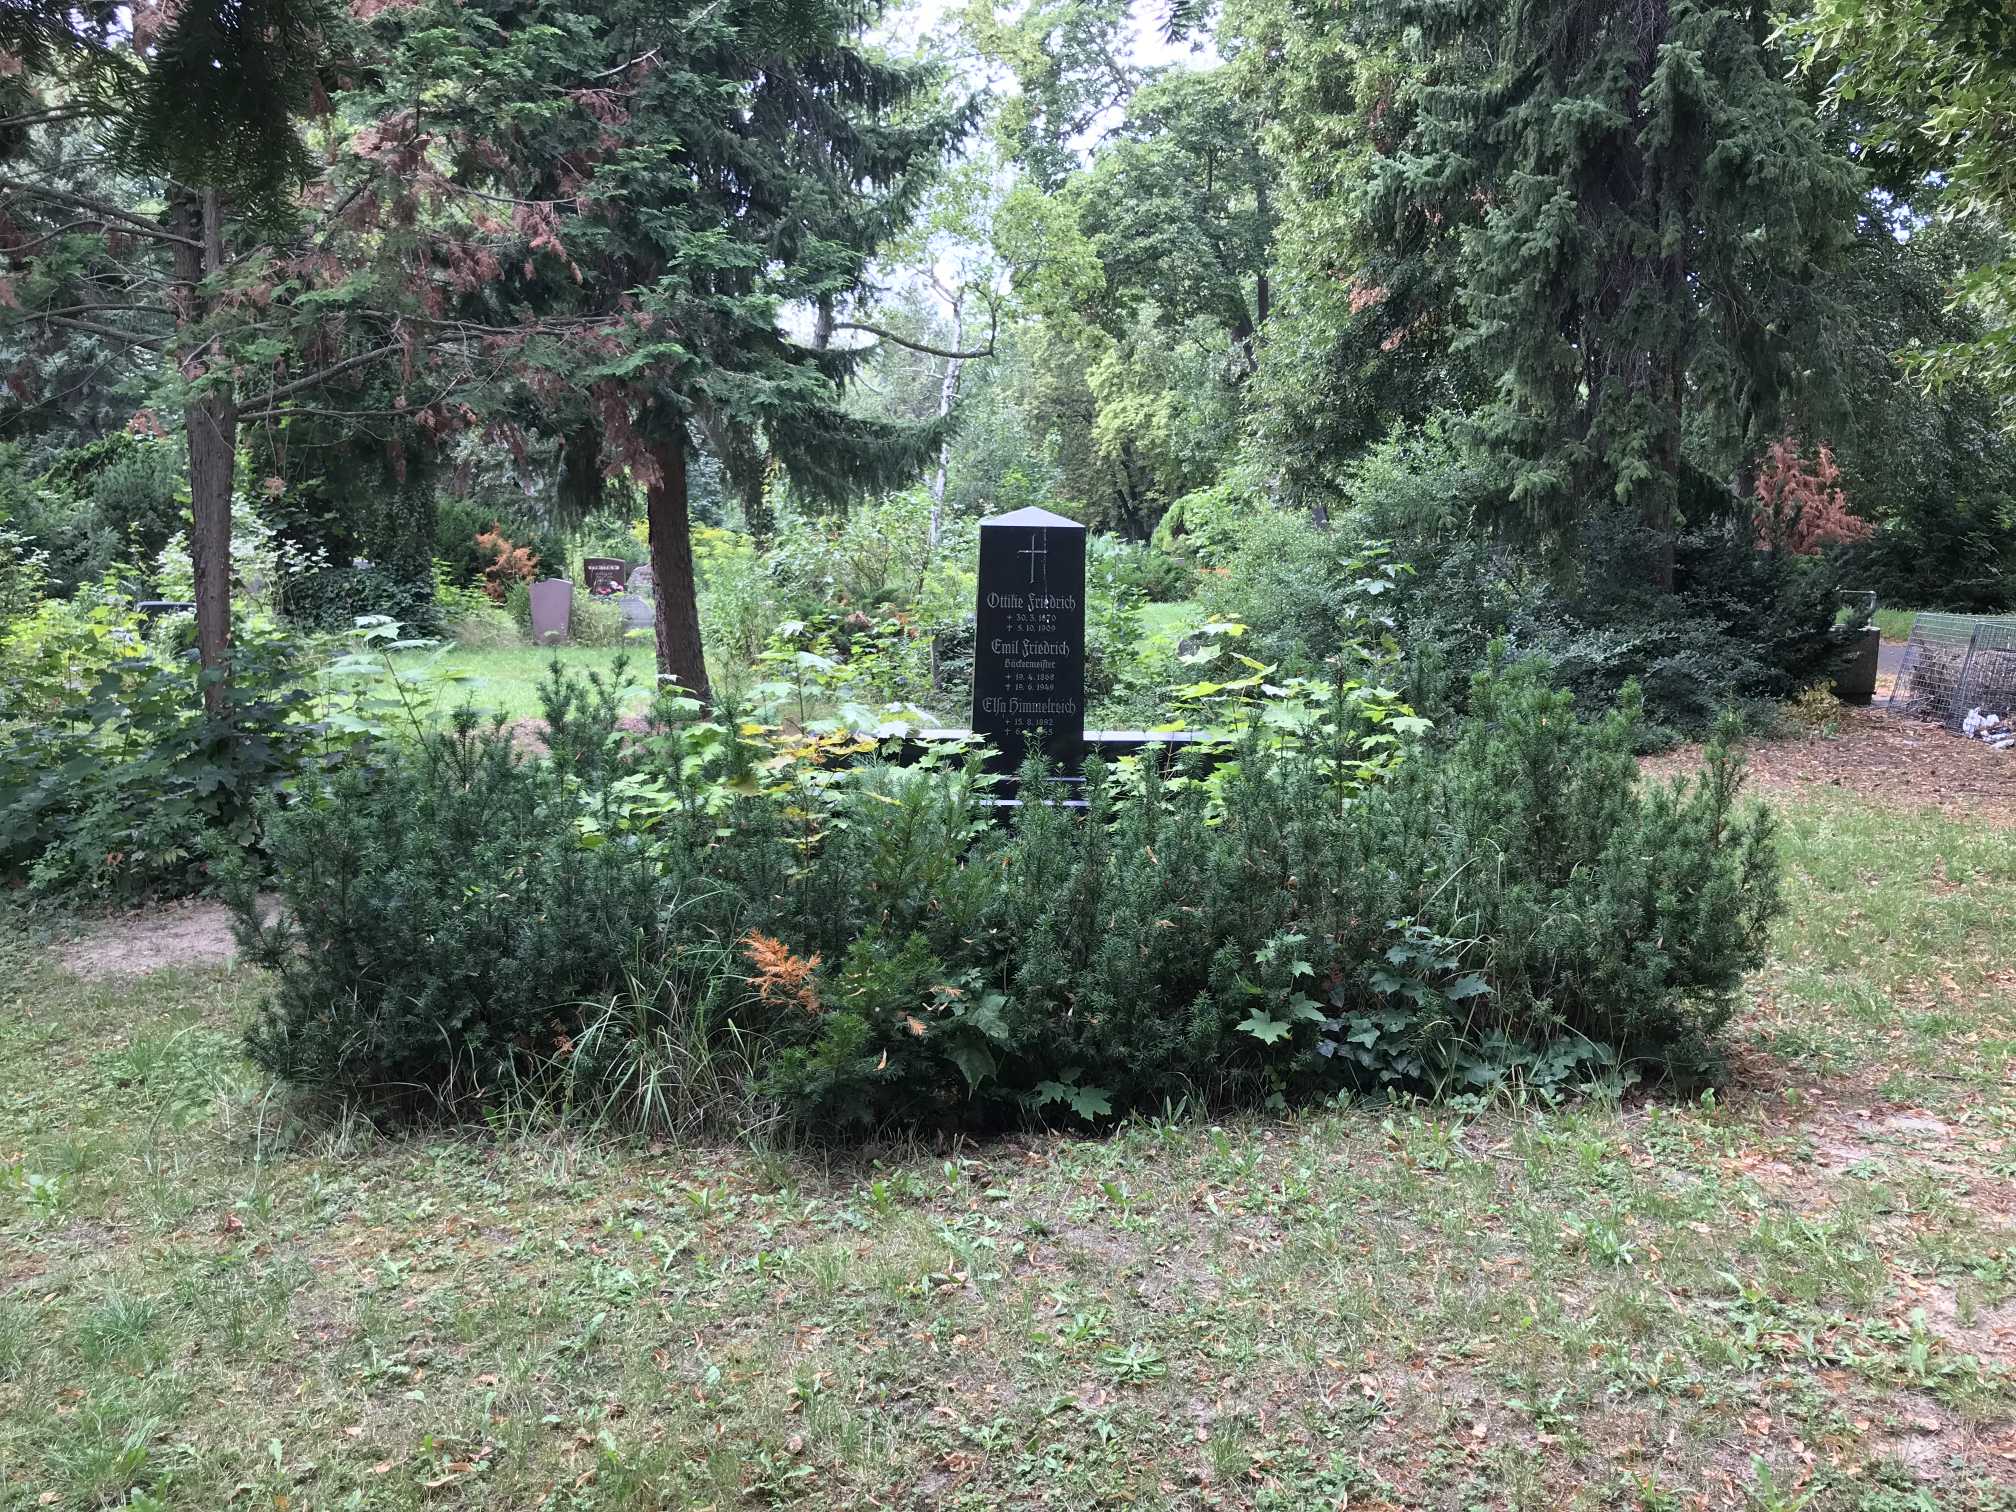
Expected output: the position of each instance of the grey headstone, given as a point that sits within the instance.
(640, 604)
(552, 606)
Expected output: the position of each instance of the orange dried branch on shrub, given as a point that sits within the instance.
(1801, 505)
(781, 977)
(509, 564)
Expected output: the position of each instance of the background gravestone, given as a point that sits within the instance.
(552, 608)
(640, 604)
(1029, 637)
(604, 576)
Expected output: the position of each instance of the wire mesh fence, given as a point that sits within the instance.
(1955, 663)
(1988, 682)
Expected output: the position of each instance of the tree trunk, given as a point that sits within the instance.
(680, 656)
(212, 422)
(948, 395)
(581, 487)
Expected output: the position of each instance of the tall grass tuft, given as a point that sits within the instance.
(664, 1054)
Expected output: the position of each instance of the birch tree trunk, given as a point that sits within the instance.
(948, 395)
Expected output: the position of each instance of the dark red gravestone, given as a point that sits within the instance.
(604, 577)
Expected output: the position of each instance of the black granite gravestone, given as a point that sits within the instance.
(1029, 638)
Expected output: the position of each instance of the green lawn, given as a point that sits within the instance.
(1169, 619)
(507, 681)
(1896, 623)
(1799, 1293)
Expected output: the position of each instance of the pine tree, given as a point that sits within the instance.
(1657, 203)
(663, 189)
(202, 100)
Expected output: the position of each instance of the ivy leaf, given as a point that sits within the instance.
(1302, 1009)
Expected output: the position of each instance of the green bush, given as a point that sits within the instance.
(1948, 553)
(24, 573)
(335, 598)
(1207, 526)
(485, 629)
(737, 608)
(1742, 628)
(116, 501)
(1594, 908)
(594, 622)
(874, 949)
(1140, 573)
(444, 929)
(1297, 586)
(113, 781)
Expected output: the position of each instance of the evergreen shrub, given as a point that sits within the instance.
(335, 598)
(1742, 628)
(876, 950)
(443, 926)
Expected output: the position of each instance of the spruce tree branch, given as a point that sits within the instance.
(97, 207)
(273, 396)
(326, 221)
(44, 117)
(22, 248)
(289, 413)
(113, 333)
(30, 317)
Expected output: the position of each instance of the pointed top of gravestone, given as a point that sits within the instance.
(1032, 517)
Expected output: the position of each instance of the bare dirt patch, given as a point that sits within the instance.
(528, 736)
(1897, 761)
(193, 933)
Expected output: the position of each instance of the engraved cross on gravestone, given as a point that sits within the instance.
(1029, 637)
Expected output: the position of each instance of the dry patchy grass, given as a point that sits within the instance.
(1797, 1293)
